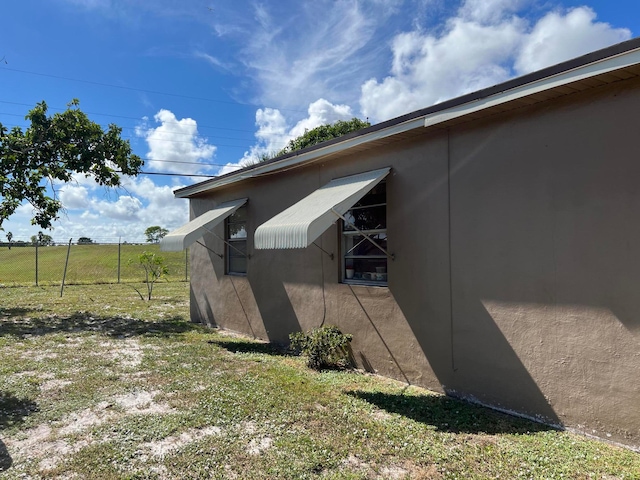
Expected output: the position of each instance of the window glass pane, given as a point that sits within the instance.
(237, 264)
(239, 248)
(376, 196)
(359, 245)
(371, 218)
(363, 262)
(237, 230)
(370, 270)
(239, 216)
(236, 248)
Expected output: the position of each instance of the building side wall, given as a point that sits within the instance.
(546, 261)
(516, 263)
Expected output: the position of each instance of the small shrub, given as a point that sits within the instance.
(154, 267)
(324, 347)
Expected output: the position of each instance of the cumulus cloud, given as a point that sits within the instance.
(274, 132)
(428, 69)
(557, 37)
(175, 146)
(125, 208)
(485, 43)
(74, 196)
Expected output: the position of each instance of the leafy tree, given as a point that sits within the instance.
(323, 133)
(84, 241)
(9, 238)
(155, 233)
(154, 269)
(52, 149)
(313, 137)
(42, 239)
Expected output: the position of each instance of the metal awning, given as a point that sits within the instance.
(187, 234)
(299, 225)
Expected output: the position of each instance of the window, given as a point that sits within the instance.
(362, 261)
(236, 246)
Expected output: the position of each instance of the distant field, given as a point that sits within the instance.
(87, 264)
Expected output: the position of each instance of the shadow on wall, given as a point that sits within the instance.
(448, 414)
(205, 316)
(266, 279)
(278, 316)
(490, 371)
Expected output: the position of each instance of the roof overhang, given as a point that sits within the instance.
(189, 233)
(608, 65)
(301, 224)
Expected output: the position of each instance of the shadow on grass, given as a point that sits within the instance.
(5, 459)
(13, 411)
(14, 311)
(247, 346)
(114, 326)
(450, 415)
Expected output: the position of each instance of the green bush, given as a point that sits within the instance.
(324, 347)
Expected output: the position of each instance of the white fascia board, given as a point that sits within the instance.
(601, 67)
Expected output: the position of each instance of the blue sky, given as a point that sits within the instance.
(201, 86)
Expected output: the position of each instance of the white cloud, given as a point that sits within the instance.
(214, 61)
(428, 69)
(175, 146)
(307, 50)
(485, 43)
(557, 37)
(125, 208)
(274, 132)
(74, 196)
(490, 11)
(321, 112)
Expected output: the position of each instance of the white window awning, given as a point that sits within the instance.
(301, 224)
(187, 234)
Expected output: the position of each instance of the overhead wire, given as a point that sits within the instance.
(124, 116)
(130, 137)
(135, 89)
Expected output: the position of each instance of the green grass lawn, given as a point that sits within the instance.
(87, 264)
(100, 384)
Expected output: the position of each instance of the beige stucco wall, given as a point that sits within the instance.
(517, 247)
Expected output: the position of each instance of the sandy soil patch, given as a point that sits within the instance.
(50, 385)
(142, 402)
(171, 444)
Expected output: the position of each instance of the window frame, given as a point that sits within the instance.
(345, 233)
(230, 242)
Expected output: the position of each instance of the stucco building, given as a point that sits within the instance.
(487, 247)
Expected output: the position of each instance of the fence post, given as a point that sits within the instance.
(37, 263)
(119, 245)
(64, 275)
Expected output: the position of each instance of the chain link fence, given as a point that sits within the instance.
(27, 263)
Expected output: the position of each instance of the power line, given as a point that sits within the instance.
(120, 116)
(173, 174)
(131, 137)
(164, 160)
(177, 95)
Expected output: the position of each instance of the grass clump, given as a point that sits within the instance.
(325, 347)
